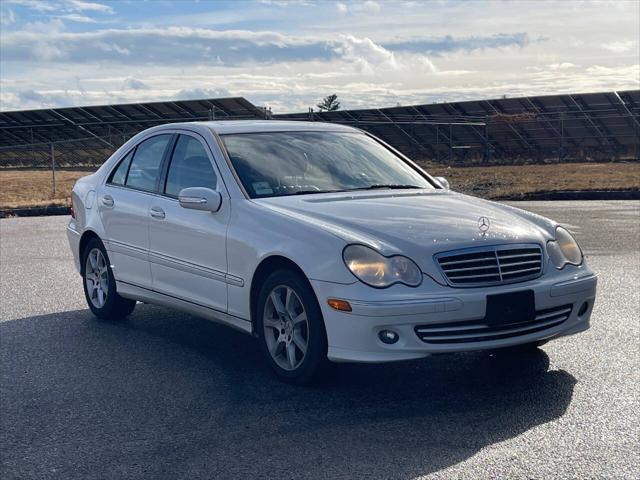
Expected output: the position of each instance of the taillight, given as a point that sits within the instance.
(70, 205)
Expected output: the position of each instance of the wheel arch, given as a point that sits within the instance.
(267, 266)
(84, 239)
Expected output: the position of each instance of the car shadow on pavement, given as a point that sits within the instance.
(167, 395)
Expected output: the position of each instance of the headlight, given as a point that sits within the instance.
(564, 249)
(379, 271)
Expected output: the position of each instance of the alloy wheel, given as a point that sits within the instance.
(286, 327)
(96, 278)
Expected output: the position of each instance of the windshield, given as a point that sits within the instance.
(294, 163)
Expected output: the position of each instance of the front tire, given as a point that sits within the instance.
(100, 285)
(291, 328)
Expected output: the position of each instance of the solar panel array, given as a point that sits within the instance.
(88, 135)
(593, 126)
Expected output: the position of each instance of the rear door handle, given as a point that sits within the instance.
(157, 212)
(107, 200)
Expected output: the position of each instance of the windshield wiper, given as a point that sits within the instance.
(390, 186)
(307, 192)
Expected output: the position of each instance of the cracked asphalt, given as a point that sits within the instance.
(168, 395)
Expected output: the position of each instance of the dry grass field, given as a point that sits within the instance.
(497, 182)
(32, 188)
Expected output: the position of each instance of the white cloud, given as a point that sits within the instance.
(364, 53)
(359, 8)
(195, 93)
(562, 66)
(284, 3)
(131, 83)
(48, 53)
(293, 91)
(81, 6)
(112, 47)
(630, 73)
(62, 6)
(7, 17)
(76, 17)
(39, 30)
(202, 46)
(371, 6)
(36, 5)
(620, 46)
(369, 54)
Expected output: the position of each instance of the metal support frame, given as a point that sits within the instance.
(53, 170)
(589, 120)
(451, 143)
(561, 138)
(511, 127)
(80, 127)
(436, 127)
(633, 118)
(407, 134)
(487, 146)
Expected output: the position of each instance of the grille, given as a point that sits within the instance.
(494, 265)
(476, 331)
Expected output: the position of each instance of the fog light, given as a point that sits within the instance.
(388, 336)
(583, 309)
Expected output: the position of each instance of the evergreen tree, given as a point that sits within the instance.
(329, 103)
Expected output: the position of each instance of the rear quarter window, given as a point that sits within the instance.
(119, 174)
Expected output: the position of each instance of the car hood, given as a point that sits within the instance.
(416, 224)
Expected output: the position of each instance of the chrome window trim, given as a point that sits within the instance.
(137, 190)
(171, 131)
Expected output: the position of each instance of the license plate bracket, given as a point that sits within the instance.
(508, 308)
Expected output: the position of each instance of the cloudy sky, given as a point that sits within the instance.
(287, 55)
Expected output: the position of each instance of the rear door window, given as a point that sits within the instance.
(190, 167)
(147, 160)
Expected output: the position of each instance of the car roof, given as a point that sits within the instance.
(256, 126)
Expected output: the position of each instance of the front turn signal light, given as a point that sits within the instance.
(341, 305)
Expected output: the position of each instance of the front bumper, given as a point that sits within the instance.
(353, 336)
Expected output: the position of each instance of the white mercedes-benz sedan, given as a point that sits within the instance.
(323, 242)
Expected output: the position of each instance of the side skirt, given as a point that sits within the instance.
(141, 294)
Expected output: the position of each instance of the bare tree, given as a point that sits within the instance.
(329, 103)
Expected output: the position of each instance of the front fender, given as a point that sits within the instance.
(256, 233)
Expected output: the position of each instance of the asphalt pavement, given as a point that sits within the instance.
(168, 395)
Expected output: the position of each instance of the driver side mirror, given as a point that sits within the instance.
(443, 182)
(200, 198)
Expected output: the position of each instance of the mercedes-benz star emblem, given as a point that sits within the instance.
(483, 224)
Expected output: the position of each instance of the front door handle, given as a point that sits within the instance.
(157, 212)
(107, 200)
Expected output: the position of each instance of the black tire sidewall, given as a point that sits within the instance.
(110, 308)
(316, 355)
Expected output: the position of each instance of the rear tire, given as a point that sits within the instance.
(291, 328)
(100, 285)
